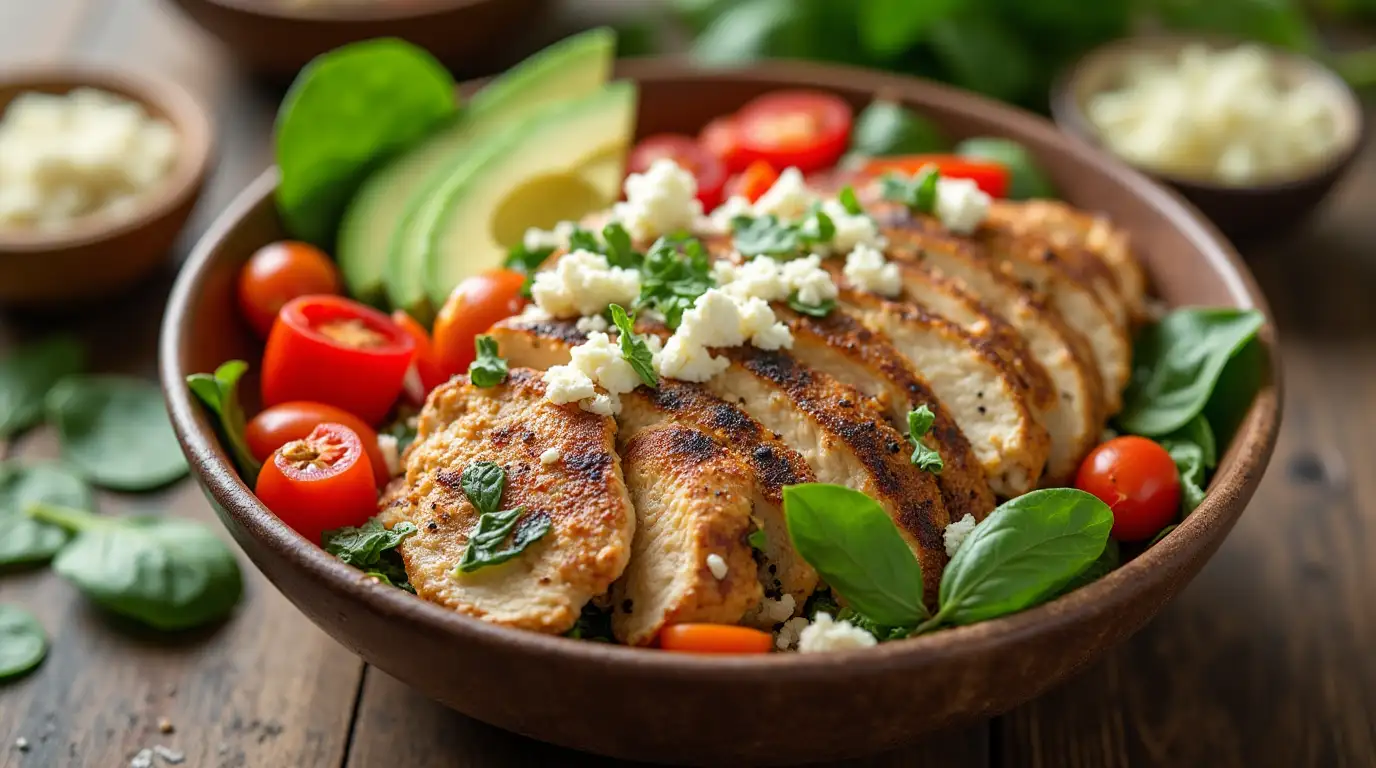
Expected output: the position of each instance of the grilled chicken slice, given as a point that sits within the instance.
(539, 344)
(583, 494)
(692, 503)
(988, 402)
(841, 346)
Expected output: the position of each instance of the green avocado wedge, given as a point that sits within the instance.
(532, 177)
(373, 224)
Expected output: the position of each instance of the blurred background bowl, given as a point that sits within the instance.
(1242, 212)
(277, 37)
(99, 254)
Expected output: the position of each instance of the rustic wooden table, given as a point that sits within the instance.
(1266, 660)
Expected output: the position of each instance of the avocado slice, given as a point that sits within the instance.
(532, 177)
(570, 68)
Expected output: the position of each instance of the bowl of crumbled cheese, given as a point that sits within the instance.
(99, 172)
(1253, 136)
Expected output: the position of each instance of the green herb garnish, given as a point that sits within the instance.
(483, 483)
(488, 369)
(371, 548)
(633, 348)
(919, 423)
(849, 201)
(917, 192)
(758, 540)
(811, 310)
(674, 274)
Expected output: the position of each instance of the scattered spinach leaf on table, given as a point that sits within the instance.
(372, 549)
(115, 431)
(219, 392)
(24, 540)
(28, 373)
(23, 644)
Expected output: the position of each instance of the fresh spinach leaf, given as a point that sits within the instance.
(633, 348)
(1107, 562)
(346, 112)
(483, 483)
(1026, 180)
(917, 192)
(811, 310)
(925, 457)
(23, 644)
(857, 549)
(488, 369)
(886, 128)
(219, 392)
(1194, 452)
(24, 540)
(27, 375)
(491, 532)
(1177, 363)
(168, 573)
(1023, 553)
(372, 549)
(115, 431)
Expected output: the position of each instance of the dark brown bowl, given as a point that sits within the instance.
(780, 708)
(276, 38)
(1241, 212)
(99, 254)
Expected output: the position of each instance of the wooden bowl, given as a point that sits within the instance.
(1242, 212)
(100, 254)
(276, 37)
(651, 705)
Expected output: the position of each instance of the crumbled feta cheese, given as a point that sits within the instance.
(687, 361)
(592, 323)
(537, 239)
(759, 324)
(852, 229)
(771, 612)
(533, 314)
(786, 637)
(603, 405)
(713, 321)
(788, 199)
(387, 445)
(717, 566)
(761, 277)
(827, 634)
(957, 532)
(551, 456)
(806, 277)
(601, 361)
(662, 200)
(567, 384)
(583, 283)
(961, 205)
(867, 270)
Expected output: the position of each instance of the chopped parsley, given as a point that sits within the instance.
(919, 422)
(849, 201)
(633, 348)
(526, 261)
(812, 310)
(675, 272)
(619, 252)
(488, 369)
(917, 192)
(768, 236)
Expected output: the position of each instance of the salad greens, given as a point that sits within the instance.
(483, 483)
(919, 423)
(1193, 449)
(767, 235)
(23, 644)
(24, 540)
(633, 348)
(220, 394)
(674, 274)
(488, 369)
(372, 549)
(28, 373)
(115, 431)
(888, 128)
(918, 192)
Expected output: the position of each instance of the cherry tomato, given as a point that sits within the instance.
(320, 483)
(276, 426)
(684, 150)
(805, 129)
(989, 176)
(328, 349)
(1137, 479)
(758, 177)
(471, 309)
(714, 638)
(722, 140)
(425, 373)
(278, 273)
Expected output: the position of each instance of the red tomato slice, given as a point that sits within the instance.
(319, 483)
(426, 365)
(808, 130)
(279, 272)
(328, 349)
(988, 176)
(684, 150)
(753, 182)
(721, 138)
(476, 303)
(274, 427)
(1138, 480)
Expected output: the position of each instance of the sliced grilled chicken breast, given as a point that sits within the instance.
(583, 494)
(690, 561)
(841, 346)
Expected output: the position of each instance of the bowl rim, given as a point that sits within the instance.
(1197, 535)
(343, 13)
(1067, 113)
(196, 148)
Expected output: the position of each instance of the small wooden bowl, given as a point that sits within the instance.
(100, 254)
(1242, 212)
(737, 710)
(276, 38)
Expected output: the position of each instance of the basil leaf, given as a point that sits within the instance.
(23, 539)
(917, 192)
(115, 431)
(1023, 553)
(1178, 361)
(492, 530)
(619, 252)
(219, 393)
(372, 549)
(765, 236)
(23, 644)
(857, 549)
(758, 540)
(919, 423)
(488, 369)
(483, 483)
(168, 573)
(849, 201)
(27, 375)
(1107, 562)
(633, 348)
(812, 310)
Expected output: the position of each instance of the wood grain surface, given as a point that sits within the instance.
(1268, 659)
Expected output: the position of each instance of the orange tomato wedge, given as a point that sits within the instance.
(714, 638)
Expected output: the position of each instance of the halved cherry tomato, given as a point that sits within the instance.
(1138, 480)
(805, 129)
(684, 150)
(721, 138)
(328, 349)
(320, 483)
(278, 273)
(988, 176)
(471, 309)
(756, 180)
(428, 373)
(714, 638)
(274, 427)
